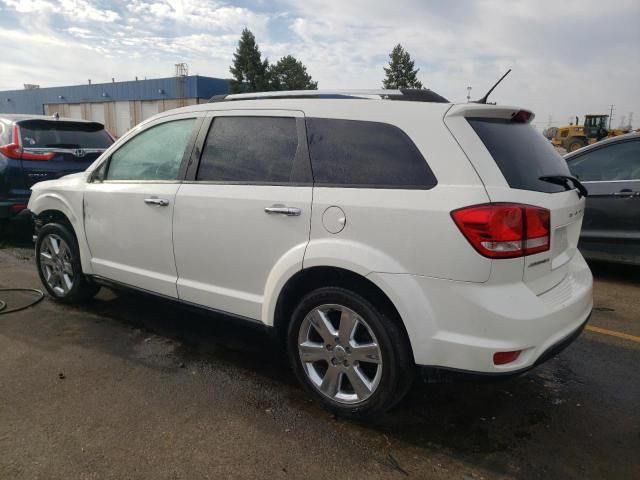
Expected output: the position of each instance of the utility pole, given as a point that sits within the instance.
(630, 120)
(468, 94)
(611, 116)
(550, 122)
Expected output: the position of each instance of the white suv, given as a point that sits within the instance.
(371, 231)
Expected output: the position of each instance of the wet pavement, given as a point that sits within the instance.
(129, 386)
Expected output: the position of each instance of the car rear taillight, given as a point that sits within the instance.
(505, 230)
(14, 149)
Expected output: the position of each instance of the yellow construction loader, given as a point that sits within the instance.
(574, 136)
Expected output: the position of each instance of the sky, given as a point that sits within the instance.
(569, 57)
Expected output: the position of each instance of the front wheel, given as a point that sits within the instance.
(350, 355)
(59, 268)
(575, 144)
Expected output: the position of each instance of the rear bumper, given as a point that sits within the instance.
(9, 208)
(447, 374)
(460, 325)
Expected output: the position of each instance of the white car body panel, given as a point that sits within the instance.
(129, 240)
(226, 245)
(65, 195)
(458, 307)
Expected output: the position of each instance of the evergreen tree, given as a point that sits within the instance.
(291, 74)
(250, 72)
(400, 73)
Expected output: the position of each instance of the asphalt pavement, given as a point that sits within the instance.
(129, 386)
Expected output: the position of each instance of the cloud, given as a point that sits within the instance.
(570, 57)
(76, 10)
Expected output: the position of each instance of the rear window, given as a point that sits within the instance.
(60, 134)
(352, 153)
(522, 154)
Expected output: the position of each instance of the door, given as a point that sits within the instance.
(97, 112)
(611, 174)
(75, 111)
(123, 118)
(129, 206)
(149, 108)
(244, 211)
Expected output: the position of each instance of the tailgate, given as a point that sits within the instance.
(53, 148)
(510, 156)
(64, 162)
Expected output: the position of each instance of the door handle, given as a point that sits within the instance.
(160, 202)
(283, 210)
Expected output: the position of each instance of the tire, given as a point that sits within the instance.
(337, 355)
(59, 268)
(574, 144)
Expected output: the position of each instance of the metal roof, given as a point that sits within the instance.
(32, 101)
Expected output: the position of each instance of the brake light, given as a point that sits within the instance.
(505, 230)
(521, 116)
(14, 149)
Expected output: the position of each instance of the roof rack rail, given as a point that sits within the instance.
(406, 94)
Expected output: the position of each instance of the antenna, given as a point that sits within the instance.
(484, 99)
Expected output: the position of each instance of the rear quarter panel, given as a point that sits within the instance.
(398, 230)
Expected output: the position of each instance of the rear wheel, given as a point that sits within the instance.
(58, 261)
(348, 354)
(574, 144)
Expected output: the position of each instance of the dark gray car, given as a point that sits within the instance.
(610, 170)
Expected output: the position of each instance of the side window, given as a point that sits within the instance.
(154, 154)
(620, 161)
(354, 153)
(251, 149)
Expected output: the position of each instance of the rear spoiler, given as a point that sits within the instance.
(61, 124)
(475, 110)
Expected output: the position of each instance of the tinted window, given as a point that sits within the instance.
(618, 161)
(365, 154)
(250, 149)
(61, 134)
(522, 154)
(154, 154)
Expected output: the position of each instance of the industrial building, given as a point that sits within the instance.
(117, 105)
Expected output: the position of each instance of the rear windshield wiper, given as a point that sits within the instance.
(564, 181)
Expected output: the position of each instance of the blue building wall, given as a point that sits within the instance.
(33, 101)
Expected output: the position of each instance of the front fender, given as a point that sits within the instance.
(70, 205)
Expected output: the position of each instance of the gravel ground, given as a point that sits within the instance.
(129, 386)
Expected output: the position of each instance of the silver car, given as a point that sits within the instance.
(610, 170)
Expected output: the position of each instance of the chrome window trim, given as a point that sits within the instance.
(609, 181)
(141, 181)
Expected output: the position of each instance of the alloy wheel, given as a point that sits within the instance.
(55, 264)
(340, 354)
